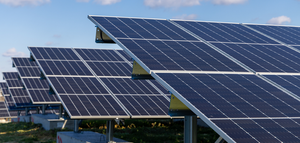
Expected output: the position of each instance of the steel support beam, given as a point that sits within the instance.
(44, 109)
(76, 126)
(190, 129)
(220, 140)
(37, 110)
(26, 111)
(110, 124)
(60, 111)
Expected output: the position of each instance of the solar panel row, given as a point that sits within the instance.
(185, 55)
(36, 88)
(101, 86)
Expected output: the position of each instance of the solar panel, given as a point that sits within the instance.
(287, 34)
(4, 89)
(15, 86)
(264, 58)
(239, 105)
(93, 96)
(37, 89)
(3, 110)
(224, 32)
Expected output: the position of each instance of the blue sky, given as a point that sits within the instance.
(64, 23)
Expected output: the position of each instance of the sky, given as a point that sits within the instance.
(64, 23)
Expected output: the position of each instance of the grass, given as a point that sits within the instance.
(137, 131)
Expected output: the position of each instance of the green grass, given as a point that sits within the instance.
(137, 131)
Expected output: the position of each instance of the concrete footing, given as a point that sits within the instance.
(21, 119)
(51, 121)
(83, 137)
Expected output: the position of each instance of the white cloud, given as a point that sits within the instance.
(83, 0)
(107, 2)
(57, 36)
(171, 3)
(186, 17)
(24, 2)
(279, 20)
(49, 43)
(228, 2)
(12, 52)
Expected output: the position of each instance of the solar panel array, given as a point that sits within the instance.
(216, 69)
(15, 86)
(37, 89)
(3, 110)
(94, 83)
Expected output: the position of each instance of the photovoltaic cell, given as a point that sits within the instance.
(224, 32)
(286, 34)
(3, 110)
(264, 58)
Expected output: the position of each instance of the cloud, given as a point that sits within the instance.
(83, 0)
(228, 2)
(171, 3)
(49, 43)
(57, 36)
(106, 2)
(12, 52)
(279, 20)
(17, 3)
(186, 17)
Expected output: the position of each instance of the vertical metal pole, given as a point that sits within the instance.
(19, 113)
(26, 111)
(76, 124)
(37, 110)
(44, 109)
(110, 124)
(190, 129)
(60, 111)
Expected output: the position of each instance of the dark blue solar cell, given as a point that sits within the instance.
(171, 30)
(145, 105)
(288, 35)
(136, 105)
(95, 86)
(137, 28)
(128, 105)
(51, 53)
(278, 131)
(58, 54)
(123, 27)
(69, 104)
(79, 105)
(115, 105)
(87, 103)
(142, 54)
(110, 27)
(69, 68)
(43, 53)
(68, 54)
(96, 103)
(75, 86)
(159, 110)
(108, 104)
(36, 53)
(50, 68)
(85, 89)
(125, 55)
(61, 68)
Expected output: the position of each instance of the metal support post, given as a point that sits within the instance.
(110, 124)
(26, 111)
(76, 126)
(37, 110)
(190, 129)
(220, 140)
(19, 113)
(44, 109)
(60, 111)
